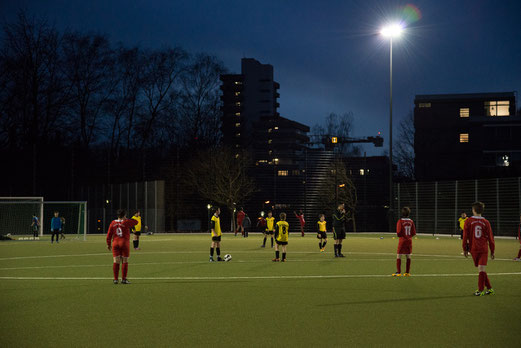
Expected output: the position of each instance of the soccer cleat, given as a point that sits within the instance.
(275, 260)
(137, 248)
(125, 281)
(115, 281)
(211, 259)
(490, 292)
(479, 293)
(336, 255)
(406, 274)
(220, 258)
(263, 246)
(283, 260)
(322, 250)
(517, 259)
(397, 274)
(341, 255)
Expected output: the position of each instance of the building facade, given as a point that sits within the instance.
(467, 136)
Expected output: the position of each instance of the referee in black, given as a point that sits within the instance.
(339, 229)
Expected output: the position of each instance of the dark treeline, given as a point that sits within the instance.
(77, 109)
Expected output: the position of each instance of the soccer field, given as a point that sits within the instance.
(62, 295)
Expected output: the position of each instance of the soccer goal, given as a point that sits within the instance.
(25, 216)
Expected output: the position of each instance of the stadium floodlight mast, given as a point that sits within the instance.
(391, 31)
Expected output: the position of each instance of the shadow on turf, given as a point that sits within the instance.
(394, 300)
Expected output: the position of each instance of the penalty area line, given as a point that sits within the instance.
(332, 276)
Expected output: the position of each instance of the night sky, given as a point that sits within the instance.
(327, 55)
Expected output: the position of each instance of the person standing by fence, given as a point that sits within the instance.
(35, 225)
(461, 223)
(246, 225)
(56, 227)
(240, 220)
(302, 222)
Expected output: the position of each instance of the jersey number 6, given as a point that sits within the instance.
(477, 231)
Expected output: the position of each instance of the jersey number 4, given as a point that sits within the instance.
(119, 232)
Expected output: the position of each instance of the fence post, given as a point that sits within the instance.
(435, 207)
(497, 206)
(456, 206)
(155, 206)
(399, 200)
(416, 204)
(146, 201)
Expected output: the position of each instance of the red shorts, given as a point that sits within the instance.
(404, 247)
(480, 258)
(121, 249)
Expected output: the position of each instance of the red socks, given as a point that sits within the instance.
(115, 269)
(125, 270)
(519, 254)
(487, 281)
(481, 281)
(398, 265)
(408, 266)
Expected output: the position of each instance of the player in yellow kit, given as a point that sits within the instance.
(215, 226)
(281, 237)
(270, 229)
(322, 232)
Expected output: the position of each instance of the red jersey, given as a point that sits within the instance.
(300, 218)
(405, 229)
(119, 230)
(477, 233)
(240, 217)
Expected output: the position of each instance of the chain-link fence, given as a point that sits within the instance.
(436, 206)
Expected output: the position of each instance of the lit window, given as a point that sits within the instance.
(362, 172)
(464, 137)
(270, 152)
(270, 141)
(269, 130)
(464, 112)
(238, 135)
(424, 105)
(236, 155)
(237, 114)
(497, 108)
(237, 125)
(238, 82)
(276, 128)
(237, 145)
(282, 173)
(276, 160)
(504, 161)
(238, 103)
(237, 94)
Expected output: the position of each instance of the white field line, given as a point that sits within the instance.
(234, 251)
(333, 276)
(205, 262)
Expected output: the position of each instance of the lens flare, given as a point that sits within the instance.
(411, 14)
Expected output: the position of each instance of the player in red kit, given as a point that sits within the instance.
(405, 230)
(518, 258)
(240, 219)
(302, 222)
(477, 237)
(118, 240)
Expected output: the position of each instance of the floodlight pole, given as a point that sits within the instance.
(391, 126)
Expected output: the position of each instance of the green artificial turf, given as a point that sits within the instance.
(177, 298)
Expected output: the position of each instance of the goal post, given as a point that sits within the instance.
(17, 215)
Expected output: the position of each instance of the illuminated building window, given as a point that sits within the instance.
(270, 141)
(237, 114)
(276, 128)
(236, 155)
(237, 94)
(424, 105)
(362, 172)
(237, 125)
(276, 160)
(238, 82)
(238, 103)
(238, 135)
(464, 112)
(269, 130)
(497, 108)
(464, 137)
(270, 152)
(237, 145)
(503, 161)
(282, 173)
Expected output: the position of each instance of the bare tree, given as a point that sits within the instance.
(403, 155)
(220, 176)
(338, 126)
(89, 67)
(199, 102)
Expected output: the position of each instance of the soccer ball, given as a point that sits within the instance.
(227, 257)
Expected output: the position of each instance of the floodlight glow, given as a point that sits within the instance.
(394, 30)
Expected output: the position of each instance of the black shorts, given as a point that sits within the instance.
(55, 231)
(281, 243)
(137, 233)
(270, 232)
(322, 235)
(216, 239)
(339, 234)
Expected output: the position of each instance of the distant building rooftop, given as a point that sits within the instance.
(427, 97)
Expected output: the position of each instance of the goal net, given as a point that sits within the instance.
(30, 217)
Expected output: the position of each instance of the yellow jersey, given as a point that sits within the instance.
(462, 222)
(321, 226)
(283, 232)
(270, 221)
(216, 226)
(137, 228)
